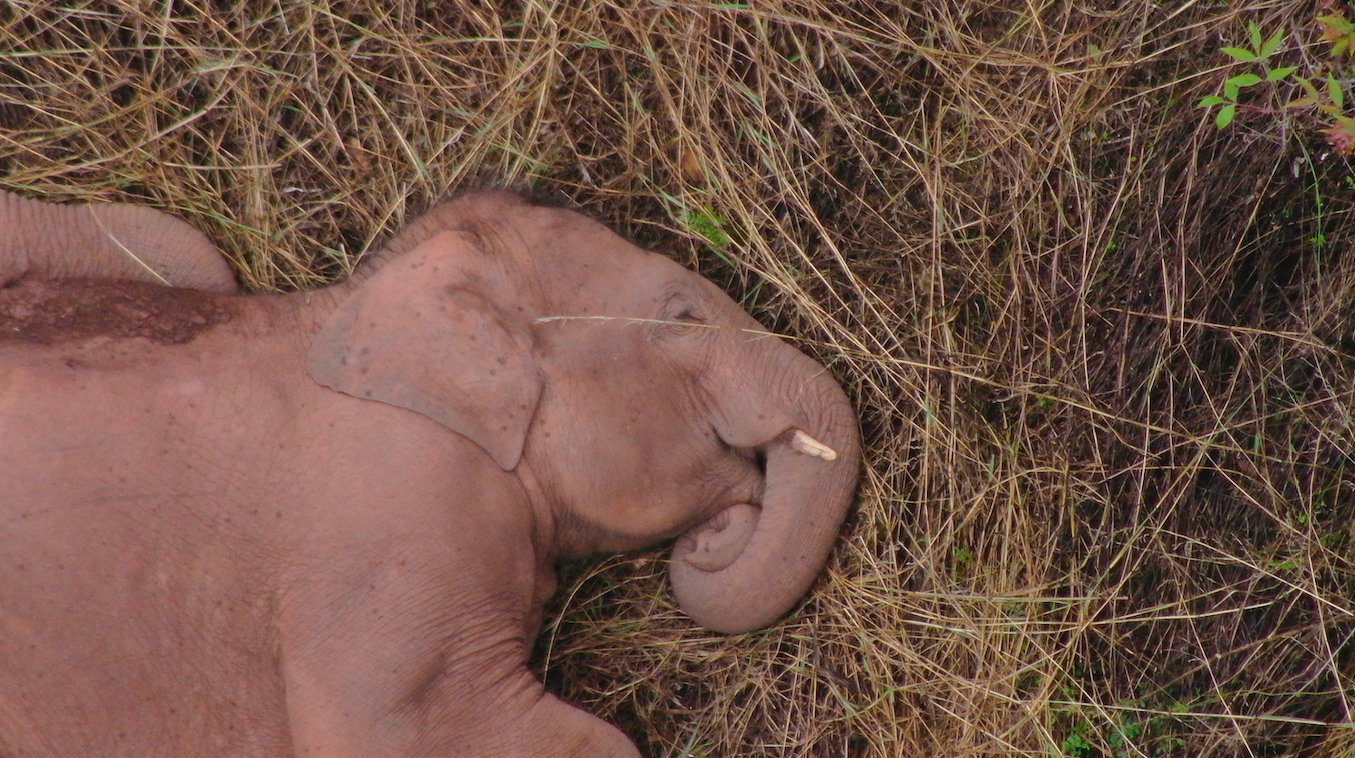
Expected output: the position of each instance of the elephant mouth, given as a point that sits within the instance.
(716, 542)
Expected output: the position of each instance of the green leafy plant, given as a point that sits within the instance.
(1150, 726)
(709, 224)
(1340, 134)
(1340, 32)
(1076, 743)
(1260, 52)
(963, 560)
(1317, 91)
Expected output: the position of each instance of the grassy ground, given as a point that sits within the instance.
(1103, 351)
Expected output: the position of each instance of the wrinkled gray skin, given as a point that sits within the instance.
(324, 524)
(106, 240)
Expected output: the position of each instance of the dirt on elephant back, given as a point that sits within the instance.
(51, 312)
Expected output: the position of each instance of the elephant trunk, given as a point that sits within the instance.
(811, 474)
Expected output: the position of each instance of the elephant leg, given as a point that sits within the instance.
(553, 727)
(424, 652)
(527, 724)
(106, 241)
(449, 715)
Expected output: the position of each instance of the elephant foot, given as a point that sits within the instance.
(553, 727)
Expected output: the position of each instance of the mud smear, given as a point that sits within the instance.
(70, 310)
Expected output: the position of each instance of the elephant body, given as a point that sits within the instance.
(228, 527)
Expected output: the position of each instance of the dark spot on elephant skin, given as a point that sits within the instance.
(70, 310)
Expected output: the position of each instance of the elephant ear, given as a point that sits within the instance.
(423, 334)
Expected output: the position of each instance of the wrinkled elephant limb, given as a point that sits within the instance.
(106, 240)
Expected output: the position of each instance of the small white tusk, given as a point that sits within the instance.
(803, 443)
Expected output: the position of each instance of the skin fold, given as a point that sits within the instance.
(325, 523)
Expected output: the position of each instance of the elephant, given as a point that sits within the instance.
(325, 523)
(106, 240)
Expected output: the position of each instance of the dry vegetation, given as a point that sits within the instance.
(1104, 353)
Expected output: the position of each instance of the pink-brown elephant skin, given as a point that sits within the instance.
(113, 240)
(325, 523)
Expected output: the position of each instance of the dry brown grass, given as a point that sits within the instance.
(1106, 378)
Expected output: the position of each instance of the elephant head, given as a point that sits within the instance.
(633, 398)
(106, 240)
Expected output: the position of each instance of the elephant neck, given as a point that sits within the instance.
(560, 530)
(554, 533)
(293, 317)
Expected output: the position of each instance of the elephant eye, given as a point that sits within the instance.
(679, 311)
(687, 316)
(680, 308)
